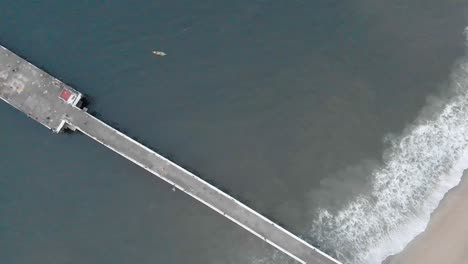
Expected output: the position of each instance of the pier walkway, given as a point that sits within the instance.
(56, 106)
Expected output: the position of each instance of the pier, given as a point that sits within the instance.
(56, 106)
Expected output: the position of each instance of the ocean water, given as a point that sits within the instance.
(341, 120)
(418, 168)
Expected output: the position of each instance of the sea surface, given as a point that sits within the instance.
(345, 121)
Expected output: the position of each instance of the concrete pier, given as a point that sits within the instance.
(56, 106)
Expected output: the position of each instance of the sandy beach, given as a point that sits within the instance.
(445, 240)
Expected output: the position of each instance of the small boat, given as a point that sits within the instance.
(159, 53)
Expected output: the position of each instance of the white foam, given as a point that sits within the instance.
(421, 166)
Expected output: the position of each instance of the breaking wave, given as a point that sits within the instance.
(418, 169)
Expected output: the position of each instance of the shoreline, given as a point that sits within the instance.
(445, 239)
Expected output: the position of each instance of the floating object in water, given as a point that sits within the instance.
(159, 53)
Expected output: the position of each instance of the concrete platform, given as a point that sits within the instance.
(34, 92)
(55, 105)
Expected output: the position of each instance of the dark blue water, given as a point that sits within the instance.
(273, 101)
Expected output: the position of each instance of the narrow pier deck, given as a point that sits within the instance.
(55, 105)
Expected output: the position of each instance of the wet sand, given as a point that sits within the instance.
(445, 240)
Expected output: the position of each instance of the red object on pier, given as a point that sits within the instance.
(66, 94)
